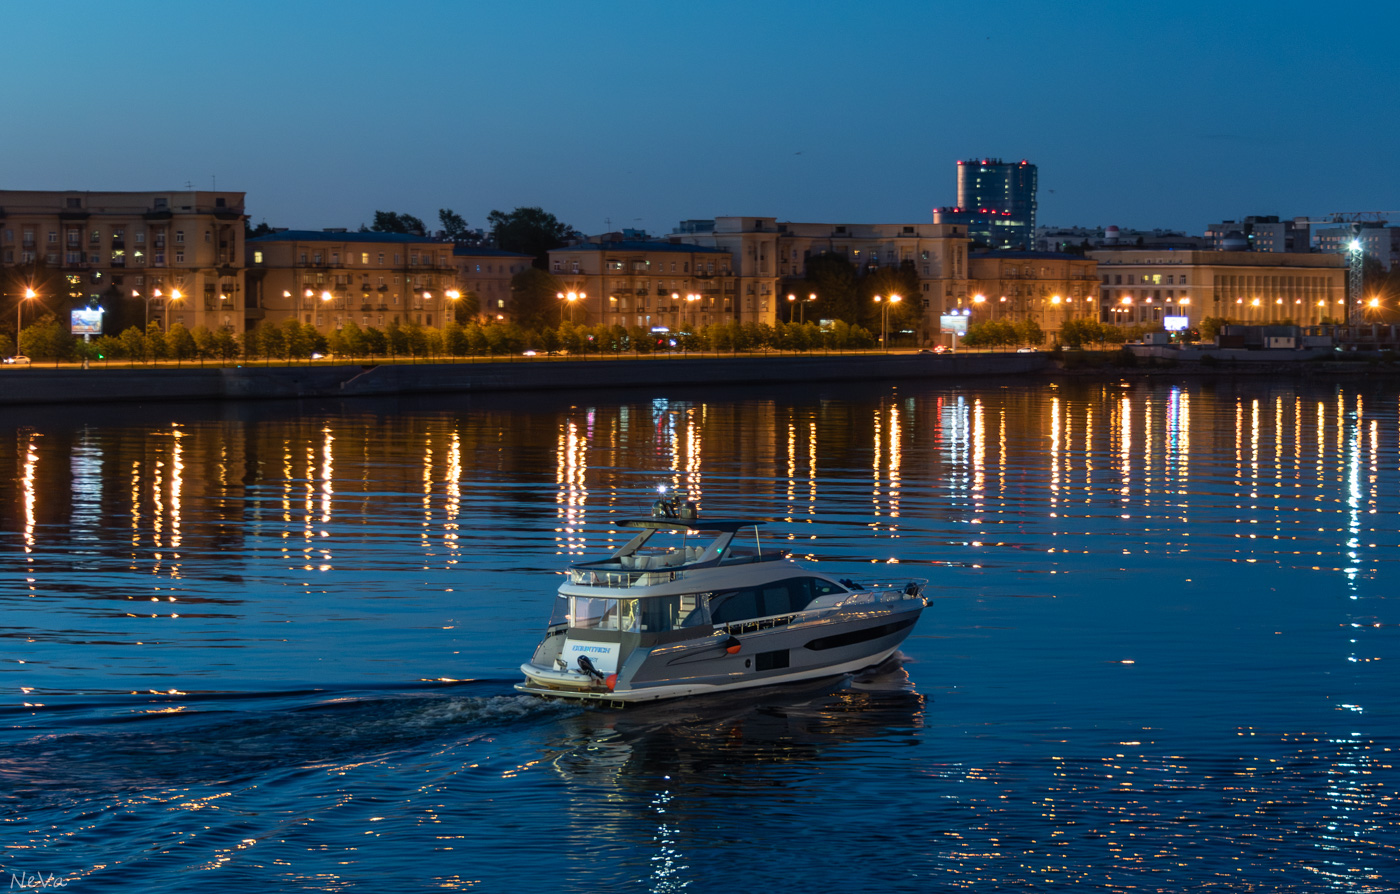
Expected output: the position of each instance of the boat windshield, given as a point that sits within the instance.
(654, 614)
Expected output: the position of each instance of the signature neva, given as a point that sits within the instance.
(36, 881)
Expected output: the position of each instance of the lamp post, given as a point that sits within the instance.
(18, 311)
(569, 297)
(885, 303)
(454, 296)
(174, 296)
(802, 306)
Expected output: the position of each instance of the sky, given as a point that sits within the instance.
(612, 114)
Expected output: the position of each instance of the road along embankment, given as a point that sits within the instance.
(55, 386)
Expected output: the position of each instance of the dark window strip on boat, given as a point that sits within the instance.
(859, 636)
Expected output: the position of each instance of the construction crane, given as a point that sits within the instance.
(1355, 221)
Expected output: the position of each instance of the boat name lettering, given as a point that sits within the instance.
(603, 649)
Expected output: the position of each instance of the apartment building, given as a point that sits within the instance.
(326, 278)
(169, 256)
(649, 284)
(485, 274)
(1244, 287)
(1048, 287)
(769, 258)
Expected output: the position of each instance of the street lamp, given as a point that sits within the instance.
(452, 295)
(571, 298)
(174, 296)
(29, 295)
(885, 316)
(802, 306)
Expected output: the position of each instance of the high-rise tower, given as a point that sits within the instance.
(996, 200)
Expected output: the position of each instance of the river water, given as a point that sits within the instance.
(271, 647)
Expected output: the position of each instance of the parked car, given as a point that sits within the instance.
(17, 360)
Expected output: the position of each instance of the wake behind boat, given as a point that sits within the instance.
(692, 606)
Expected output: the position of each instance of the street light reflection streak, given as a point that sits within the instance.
(979, 454)
(177, 486)
(327, 474)
(877, 447)
(692, 459)
(31, 465)
(426, 530)
(1055, 423)
(450, 526)
(572, 467)
(896, 461)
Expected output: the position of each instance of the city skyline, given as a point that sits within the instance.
(633, 116)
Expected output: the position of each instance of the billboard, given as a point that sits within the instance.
(87, 321)
(953, 323)
(1176, 324)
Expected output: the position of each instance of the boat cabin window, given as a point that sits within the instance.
(590, 613)
(662, 613)
(778, 598)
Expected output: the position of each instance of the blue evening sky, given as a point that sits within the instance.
(1142, 115)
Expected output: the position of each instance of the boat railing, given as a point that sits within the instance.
(885, 589)
(617, 579)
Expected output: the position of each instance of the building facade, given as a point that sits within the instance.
(1144, 287)
(326, 278)
(770, 258)
(178, 253)
(996, 203)
(484, 274)
(1047, 287)
(673, 285)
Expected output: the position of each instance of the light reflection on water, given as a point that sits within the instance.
(1157, 658)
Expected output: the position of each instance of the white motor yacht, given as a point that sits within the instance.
(691, 606)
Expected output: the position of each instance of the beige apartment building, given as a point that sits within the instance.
(1048, 287)
(770, 255)
(326, 278)
(485, 274)
(169, 256)
(647, 284)
(1257, 288)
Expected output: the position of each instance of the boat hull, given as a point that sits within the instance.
(784, 653)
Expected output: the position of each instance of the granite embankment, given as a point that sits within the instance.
(53, 386)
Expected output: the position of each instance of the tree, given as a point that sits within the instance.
(179, 342)
(46, 340)
(393, 222)
(1029, 332)
(454, 225)
(534, 298)
(832, 279)
(134, 343)
(204, 342)
(262, 229)
(156, 344)
(1211, 326)
(531, 231)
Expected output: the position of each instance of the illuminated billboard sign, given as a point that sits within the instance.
(953, 323)
(1176, 324)
(87, 321)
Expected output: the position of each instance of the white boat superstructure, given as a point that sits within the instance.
(690, 606)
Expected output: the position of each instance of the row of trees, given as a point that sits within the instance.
(291, 340)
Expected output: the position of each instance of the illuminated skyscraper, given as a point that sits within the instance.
(996, 202)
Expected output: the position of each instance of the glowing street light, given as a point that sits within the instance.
(802, 306)
(174, 296)
(884, 318)
(29, 295)
(571, 298)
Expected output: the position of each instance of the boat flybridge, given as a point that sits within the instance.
(691, 606)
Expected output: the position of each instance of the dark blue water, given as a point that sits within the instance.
(271, 647)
